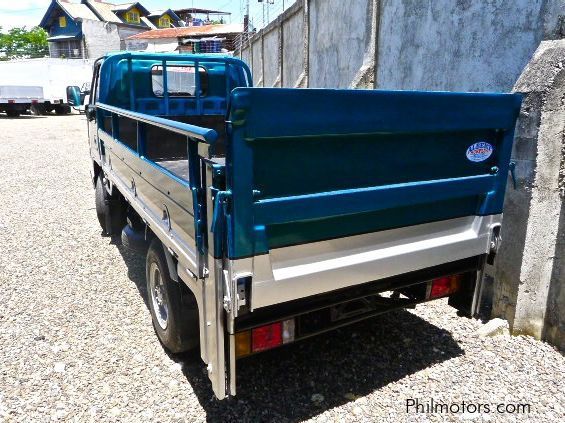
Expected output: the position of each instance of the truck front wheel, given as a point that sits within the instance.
(173, 307)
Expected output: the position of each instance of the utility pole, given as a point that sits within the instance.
(246, 18)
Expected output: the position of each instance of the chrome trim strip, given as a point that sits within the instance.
(300, 271)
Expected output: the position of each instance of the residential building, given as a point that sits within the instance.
(63, 22)
(165, 19)
(192, 39)
(92, 28)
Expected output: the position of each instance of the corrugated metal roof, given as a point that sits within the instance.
(78, 11)
(64, 37)
(122, 7)
(201, 11)
(189, 31)
(104, 10)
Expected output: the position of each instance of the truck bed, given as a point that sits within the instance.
(177, 166)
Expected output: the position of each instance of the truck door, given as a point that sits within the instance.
(91, 114)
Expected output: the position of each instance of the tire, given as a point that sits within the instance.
(174, 310)
(109, 207)
(12, 113)
(62, 110)
(38, 110)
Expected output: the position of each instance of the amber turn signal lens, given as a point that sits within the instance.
(242, 344)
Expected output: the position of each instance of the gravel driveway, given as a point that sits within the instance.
(76, 341)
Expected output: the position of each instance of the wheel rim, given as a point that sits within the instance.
(157, 289)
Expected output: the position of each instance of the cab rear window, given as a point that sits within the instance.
(181, 81)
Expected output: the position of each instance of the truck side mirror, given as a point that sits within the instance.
(73, 96)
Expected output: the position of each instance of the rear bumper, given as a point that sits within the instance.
(301, 271)
(400, 283)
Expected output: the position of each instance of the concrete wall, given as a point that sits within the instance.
(104, 37)
(529, 272)
(100, 38)
(460, 45)
(338, 41)
(271, 62)
(404, 44)
(293, 48)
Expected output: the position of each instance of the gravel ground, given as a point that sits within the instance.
(76, 341)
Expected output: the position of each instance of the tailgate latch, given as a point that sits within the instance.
(236, 293)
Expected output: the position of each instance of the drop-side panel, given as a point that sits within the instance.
(157, 196)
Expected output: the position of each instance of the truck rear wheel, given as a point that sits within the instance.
(173, 307)
(109, 209)
(12, 113)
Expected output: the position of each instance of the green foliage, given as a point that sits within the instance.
(21, 43)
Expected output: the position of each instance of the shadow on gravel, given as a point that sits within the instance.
(353, 361)
(136, 267)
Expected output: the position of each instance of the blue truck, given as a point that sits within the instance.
(270, 215)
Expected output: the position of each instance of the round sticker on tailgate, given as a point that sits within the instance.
(479, 152)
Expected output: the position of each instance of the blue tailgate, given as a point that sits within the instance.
(310, 165)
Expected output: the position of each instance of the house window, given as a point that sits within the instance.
(62, 21)
(165, 21)
(132, 16)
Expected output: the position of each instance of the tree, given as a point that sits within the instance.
(21, 43)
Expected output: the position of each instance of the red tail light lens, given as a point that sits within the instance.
(444, 286)
(266, 337)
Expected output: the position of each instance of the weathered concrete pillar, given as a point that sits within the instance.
(529, 286)
(366, 76)
(303, 78)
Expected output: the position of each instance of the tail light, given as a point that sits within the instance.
(34, 101)
(444, 286)
(264, 338)
(11, 101)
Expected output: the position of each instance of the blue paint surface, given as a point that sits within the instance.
(308, 165)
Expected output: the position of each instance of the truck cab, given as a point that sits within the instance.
(270, 215)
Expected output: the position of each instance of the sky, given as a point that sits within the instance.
(15, 13)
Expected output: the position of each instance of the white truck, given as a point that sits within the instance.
(18, 99)
(53, 75)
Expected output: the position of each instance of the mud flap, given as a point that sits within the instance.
(467, 301)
